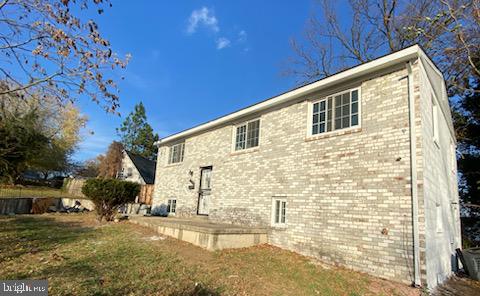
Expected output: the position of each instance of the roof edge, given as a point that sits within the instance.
(380, 63)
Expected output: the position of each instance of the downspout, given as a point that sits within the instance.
(413, 174)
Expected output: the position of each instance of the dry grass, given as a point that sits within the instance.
(7, 192)
(80, 257)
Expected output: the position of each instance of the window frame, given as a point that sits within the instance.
(325, 98)
(170, 153)
(170, 202)
(453, 157)
(234, 135)
(438, 217)
(283, 206)
(435, 121)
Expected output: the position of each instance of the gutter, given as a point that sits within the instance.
(413, 177)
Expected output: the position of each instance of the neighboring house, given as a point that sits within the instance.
(136, 168)
(329, 167)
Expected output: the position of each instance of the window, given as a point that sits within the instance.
(336, 112)
(247, 135)
(129, 172)
(279, 211)
(438, 210)
(435, 120)
(172, 206)
(453, 157)
(176, 153)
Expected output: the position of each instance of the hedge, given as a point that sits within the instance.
(109, 194)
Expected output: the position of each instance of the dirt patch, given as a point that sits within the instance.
(458, 286)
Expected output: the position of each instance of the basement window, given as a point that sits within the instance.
(279, 213)
(176, 153)
(247, 135)
(335, 112)
(172, 206)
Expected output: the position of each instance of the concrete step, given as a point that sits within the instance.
(200, 217)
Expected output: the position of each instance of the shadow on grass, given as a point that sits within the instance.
(198, 290)
(79, 260)
(98, 275)
(32, 234)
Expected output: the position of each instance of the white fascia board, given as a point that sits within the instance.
(372, 66)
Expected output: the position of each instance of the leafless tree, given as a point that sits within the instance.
(45, 46)
(448, 30)
(110, 164)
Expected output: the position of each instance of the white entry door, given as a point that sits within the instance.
(204, 191)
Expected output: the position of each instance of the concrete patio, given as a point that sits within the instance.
(203, 233)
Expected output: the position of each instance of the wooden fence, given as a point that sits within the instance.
(146, 193)
(74, 188)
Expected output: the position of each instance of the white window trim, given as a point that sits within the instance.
(169, 154)
(279, 224)
(438, 217)
(234, 135)
(435, 120)
(169, 208)
(453, 157)
(310, 114)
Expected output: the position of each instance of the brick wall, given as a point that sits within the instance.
(348, 193)
(439, 182)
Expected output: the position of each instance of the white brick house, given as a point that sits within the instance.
(329, 168)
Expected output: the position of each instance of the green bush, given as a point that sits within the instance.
(109, 194)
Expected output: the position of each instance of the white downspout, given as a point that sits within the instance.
(413, 173)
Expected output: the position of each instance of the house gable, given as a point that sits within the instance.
(138, 169)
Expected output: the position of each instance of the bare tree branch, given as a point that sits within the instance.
(449, 30)
(44, 45)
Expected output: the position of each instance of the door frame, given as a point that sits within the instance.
(200, 188)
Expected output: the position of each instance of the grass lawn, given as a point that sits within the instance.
(80, 257)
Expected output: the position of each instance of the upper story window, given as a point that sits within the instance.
(435, 120)
(247, 134)
(176, 153)
(453, 157)
(336, 112)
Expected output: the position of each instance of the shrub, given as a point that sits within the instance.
(109, 194)
(41, 205)
(160, 211)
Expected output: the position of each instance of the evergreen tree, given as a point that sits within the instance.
(137, 135)
(467, 124)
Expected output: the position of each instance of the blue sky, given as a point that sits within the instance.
(193, 61)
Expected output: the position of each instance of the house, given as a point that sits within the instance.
(357, 169)
(136, 168)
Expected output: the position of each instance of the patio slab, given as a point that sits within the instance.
(203, 233)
